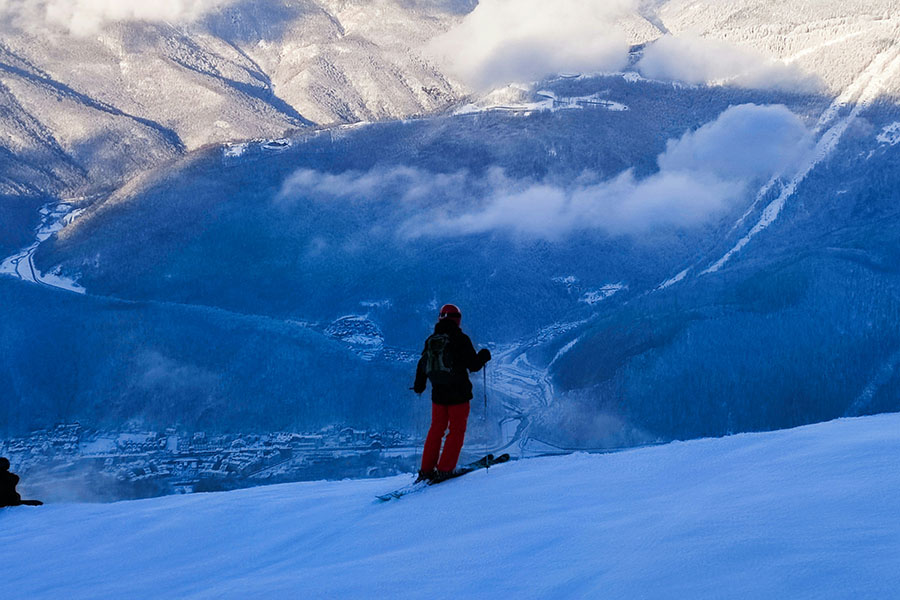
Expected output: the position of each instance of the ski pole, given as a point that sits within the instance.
(484, 391)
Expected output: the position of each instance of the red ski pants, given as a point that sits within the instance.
(456, 416)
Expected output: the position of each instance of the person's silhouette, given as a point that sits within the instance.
(8, 482)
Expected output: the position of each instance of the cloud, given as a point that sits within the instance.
(85, 17)
(701, 175)
(170, 379)
(504, 41)
(745, 142)
(696, 60)
(622, 205)
(405, 183)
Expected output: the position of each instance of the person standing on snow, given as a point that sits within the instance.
(8, 482)
(446, 361)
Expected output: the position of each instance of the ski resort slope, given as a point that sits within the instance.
(812, 512)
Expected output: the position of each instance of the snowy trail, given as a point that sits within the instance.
(525, 389)
(809, 513)
(21, 265)
(818, 47)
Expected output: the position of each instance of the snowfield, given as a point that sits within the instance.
(812, 512)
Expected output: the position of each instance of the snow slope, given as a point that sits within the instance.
(804, 513)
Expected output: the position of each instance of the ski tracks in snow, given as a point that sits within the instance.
(860, 94)
(830, 128)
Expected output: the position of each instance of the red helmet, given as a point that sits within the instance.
(450, 311)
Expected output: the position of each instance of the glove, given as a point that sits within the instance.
(418, 388)
(484, 355)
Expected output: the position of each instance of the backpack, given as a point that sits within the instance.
(438, 359)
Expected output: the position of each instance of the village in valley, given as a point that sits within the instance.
(111, 466)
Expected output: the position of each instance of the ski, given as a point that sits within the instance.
(484, 462)
(405, 490)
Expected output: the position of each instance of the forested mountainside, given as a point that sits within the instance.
(694, 241)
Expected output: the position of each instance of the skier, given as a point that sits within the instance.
(8, 482)
(446, 360)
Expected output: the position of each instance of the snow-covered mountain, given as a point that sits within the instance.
(91, 102)
(691, 234)
(803, 513)
(94, 106)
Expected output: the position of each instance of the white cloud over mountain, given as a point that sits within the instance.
(506, 41)
(745, 142)
(701, 174)
(502, 41)
(697, 60)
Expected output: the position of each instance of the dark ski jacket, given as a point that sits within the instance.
(464, 359)
(8, 494)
